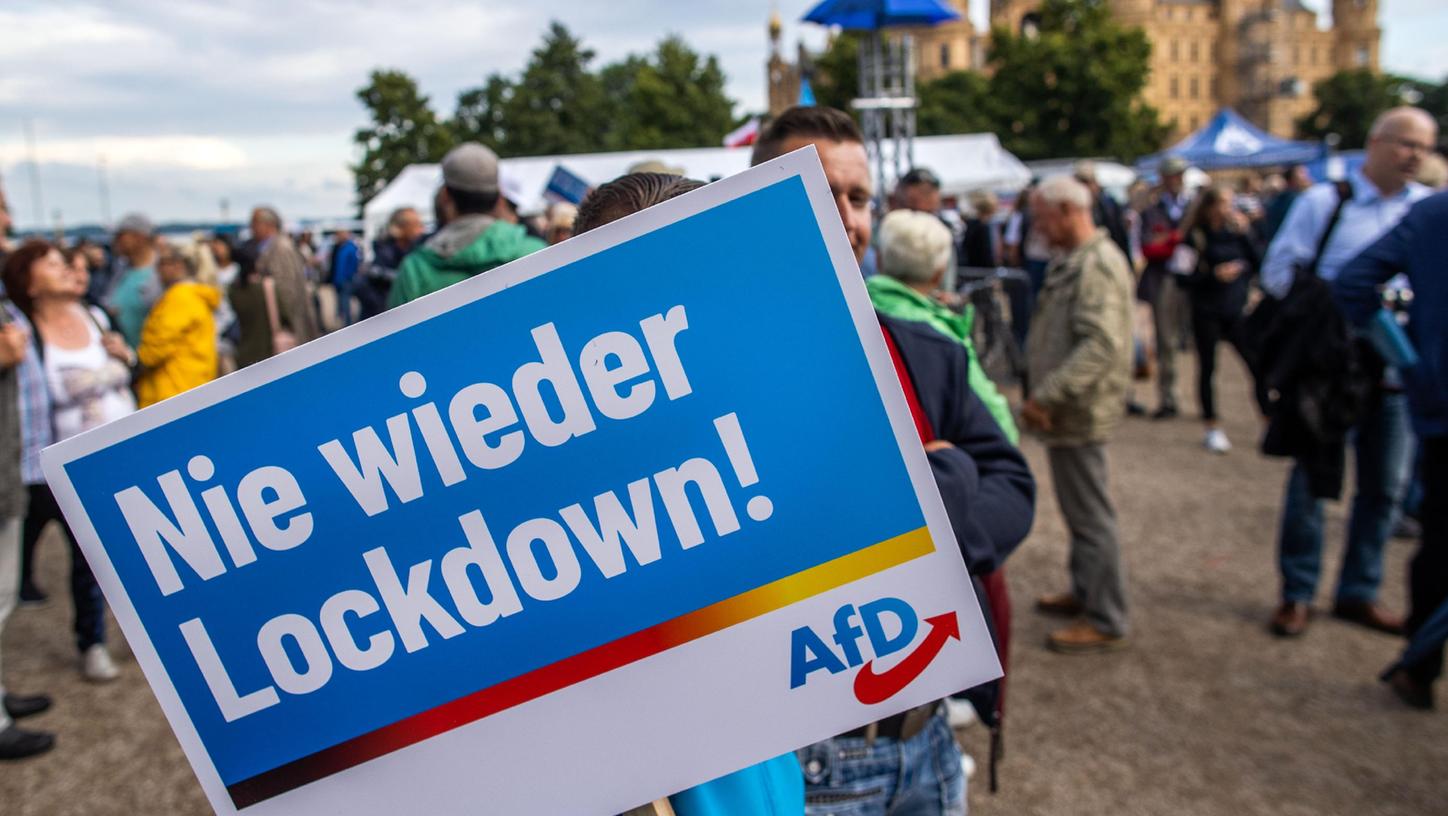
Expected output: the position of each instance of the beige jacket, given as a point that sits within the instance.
(283, 263)
(1079, 349)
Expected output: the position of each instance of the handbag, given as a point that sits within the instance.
(282, 339)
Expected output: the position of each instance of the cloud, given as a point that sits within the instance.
(200, 100)
(195, 152)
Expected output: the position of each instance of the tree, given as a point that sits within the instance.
(557, 104)
(404, 130)
(958, 102)
(481, 114)
(674, 98)
(1349, 101)
(1073, 88)
(836, 75)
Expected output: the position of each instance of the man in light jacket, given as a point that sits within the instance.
(1079, 357)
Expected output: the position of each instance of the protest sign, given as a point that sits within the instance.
(615, 519)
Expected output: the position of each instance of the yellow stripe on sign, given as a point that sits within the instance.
(798, 587)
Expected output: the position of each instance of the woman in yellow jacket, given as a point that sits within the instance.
(178, 342)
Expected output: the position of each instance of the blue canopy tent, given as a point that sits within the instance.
(1230, 141)
(887, 72)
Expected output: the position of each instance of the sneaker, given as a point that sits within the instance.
(1165, 412)
(960, 713)
(17, 743)
(97, 665)
(1216, 441)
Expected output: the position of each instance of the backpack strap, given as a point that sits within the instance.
(1344, 195)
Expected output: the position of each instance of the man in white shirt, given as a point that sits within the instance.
(1382, 192)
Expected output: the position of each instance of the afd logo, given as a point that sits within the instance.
(889, 625)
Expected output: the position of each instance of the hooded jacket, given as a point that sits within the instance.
(178, 342)
(893, 298)
(470, 245)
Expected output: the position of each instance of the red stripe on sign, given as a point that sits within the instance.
(572, 670)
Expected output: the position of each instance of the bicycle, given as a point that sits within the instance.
(983, 288)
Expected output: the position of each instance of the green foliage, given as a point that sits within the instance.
(673, 98)
(403, 130)
(836, 80)
(1348, 101)
(481, 113)
(1074, 89)
(959, 102)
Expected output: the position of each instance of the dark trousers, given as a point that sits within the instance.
(85, 593)
(371, 294)
(1209, 330)
(1023, 299)
(1428, 574)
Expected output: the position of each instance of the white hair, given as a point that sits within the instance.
(914, 246)
(1063, 189)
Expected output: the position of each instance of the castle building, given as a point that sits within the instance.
(1261, 57)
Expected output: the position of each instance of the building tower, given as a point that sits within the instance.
(780, 76)
(1355, 34)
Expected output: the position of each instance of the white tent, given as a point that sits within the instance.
(963, 163)
(1112, 176)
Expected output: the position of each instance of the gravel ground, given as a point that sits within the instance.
(1205, 714)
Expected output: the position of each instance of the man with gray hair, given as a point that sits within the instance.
(1078, 354)
(1327, 226)
(291, 318)
(405, 231)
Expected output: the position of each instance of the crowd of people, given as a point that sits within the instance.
(1333, 293)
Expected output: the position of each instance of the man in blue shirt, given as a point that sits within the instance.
(1382, 192)
(345, 260)
(1417, 247)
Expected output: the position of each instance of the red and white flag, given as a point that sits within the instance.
(744, 135)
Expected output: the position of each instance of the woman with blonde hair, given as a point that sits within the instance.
(178, 341)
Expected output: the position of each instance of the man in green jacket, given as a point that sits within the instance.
(915, 248)
(1078, 354)
(473, 242)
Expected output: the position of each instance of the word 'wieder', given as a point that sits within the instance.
(483, 419)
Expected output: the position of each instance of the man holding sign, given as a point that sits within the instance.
(910, 763)
(366, 577)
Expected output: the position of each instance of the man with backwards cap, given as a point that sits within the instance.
(473, 242)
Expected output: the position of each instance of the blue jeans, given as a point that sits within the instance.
(344, 301)
(846, 776)
(1383, 445)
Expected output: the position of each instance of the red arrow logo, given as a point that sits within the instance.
(871, 688)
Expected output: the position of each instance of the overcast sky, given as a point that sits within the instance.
(253, 101)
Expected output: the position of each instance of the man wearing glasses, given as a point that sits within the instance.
(1311, 240)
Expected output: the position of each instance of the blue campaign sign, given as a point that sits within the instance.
(494, 500)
